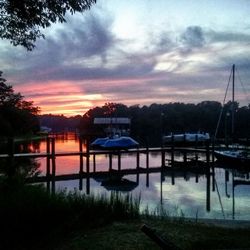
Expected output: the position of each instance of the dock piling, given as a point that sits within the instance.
(137, 158)
(48, 157)
(53, 157)
(81, 156)
(119, 161)
(11, 148)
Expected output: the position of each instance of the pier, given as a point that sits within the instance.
(89, 167)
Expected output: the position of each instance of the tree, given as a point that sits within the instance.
(21, 20)
(17, 115)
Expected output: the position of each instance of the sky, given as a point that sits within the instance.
(135, 52)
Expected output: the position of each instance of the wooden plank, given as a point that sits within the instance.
(103, 152)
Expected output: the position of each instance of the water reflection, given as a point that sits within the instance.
(22, 166)
(215, 192)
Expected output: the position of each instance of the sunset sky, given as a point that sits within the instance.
(135, 52)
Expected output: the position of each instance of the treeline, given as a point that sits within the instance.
(149, 123)
(60, 123)
(17, 116)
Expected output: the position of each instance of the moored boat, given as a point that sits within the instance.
(186, 138)
(123, 142)
(233, 156)
(97, 143)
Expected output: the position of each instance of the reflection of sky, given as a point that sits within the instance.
(186, 196)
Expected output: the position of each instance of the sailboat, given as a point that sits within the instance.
(232, 155)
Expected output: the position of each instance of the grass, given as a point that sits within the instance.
(32, 218)
(185, 235)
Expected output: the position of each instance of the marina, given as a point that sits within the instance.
(186, 181)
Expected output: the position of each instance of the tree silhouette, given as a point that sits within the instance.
(149, 123)
(17, 115)
(21, 20)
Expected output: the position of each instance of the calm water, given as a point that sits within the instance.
(184, 194)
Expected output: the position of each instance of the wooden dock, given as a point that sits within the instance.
(87, 158)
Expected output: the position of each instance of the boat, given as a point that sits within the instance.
(97, 143)
(189, 138)
(122, 142)
(232, 155)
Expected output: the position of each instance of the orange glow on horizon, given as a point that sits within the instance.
(60, 98)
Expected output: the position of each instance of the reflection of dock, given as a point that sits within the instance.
(105, 174)
(88, 165)
(173, 163)
(239, 178)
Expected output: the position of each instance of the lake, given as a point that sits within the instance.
(180, 193)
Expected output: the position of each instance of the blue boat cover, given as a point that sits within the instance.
(120, 142)
(99, 141)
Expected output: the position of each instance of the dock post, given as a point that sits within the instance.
(80, 183)
(11, 148)
(81, 156)
(184, 151)
(208, 189)
(110, 161)
(87, 184)
(161, 184)
(172, 178)
(147, 179)
(87, 157)
(147, 158)
(162, 158)
(119, 160)
(53, 162)
(185, 156)
(137, 178)
(172, 150)
(213, 179)
(196, 178)
(87, 167)
(53, 157)
(48, 157)
(137, 158)
(207, 153)
(94, 162)
(196, 146)
(48, 185)
(213, 142)
(53, 187)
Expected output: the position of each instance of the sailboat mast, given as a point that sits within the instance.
(233, 106)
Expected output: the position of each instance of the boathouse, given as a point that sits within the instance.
(114, 125)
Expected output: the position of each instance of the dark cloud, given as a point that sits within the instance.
(223, 36)
(86, 53)
(193, 37)
(161, 43)
(81, 50)
(88, 37)
(79, 39)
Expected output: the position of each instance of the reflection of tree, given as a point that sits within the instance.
(22, 166)
(28, 147)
